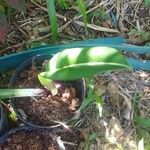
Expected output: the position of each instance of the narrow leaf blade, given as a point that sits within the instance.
(83, 12)
(10, 93)
(52, 19)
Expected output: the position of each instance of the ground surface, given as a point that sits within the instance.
(30, 140)
(124, 94)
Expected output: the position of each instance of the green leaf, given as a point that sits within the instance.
(62, 4)
(76, 63)
(142, 121)
(48, 84)
(17, 4)
(13, 116)
(83, 12)
(10, 93)
(52, 19)
(90, 138)
(147, 2)
(90, 94)
(99, 103)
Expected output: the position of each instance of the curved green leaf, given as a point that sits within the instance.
(72, 64)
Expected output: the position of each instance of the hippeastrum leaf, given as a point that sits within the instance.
(48, 84)
(10, 93)
(17, 4)
(72, 64)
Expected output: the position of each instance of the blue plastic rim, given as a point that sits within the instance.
(79, 86)
(14, 60)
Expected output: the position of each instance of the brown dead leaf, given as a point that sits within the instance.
(109, 147)
(115, 98)
(99, 144)
(147, 89)
(114, 131)
(99, 86)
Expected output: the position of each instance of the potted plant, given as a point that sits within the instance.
(55, 104)
(60, 83)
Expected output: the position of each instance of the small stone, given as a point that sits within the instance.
(18, 147)
(74, 104)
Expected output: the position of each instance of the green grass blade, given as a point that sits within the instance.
(99, 104)
(142, 121)
(147, 2)
(52, 19)
(10, 93)
(90, 96)
(83, 13)
(90, 138)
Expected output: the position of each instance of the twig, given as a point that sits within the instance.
(118, 5)
(69, 143)
(137, 8)
(128, 102)
(45, 9)
(138, 81)
(97, 28)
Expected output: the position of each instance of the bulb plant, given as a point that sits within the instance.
(72, 64)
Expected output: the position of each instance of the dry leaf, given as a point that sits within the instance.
(115, 98)
(114, 131)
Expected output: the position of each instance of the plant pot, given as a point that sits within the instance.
(29, 138)
(3, 121)
(43, 111)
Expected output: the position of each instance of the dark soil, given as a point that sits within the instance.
(44, 110)
(4, 78)
(29, 140)
(72, 139)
